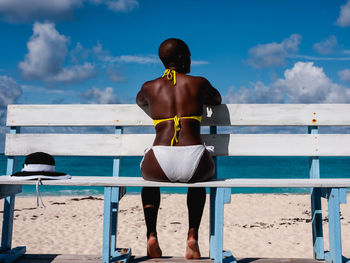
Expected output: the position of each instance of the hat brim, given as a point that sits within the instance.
(40, 174)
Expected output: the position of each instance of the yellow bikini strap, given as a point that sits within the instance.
(177, 124)
(155, 122)
(198, 118)
(170, 74)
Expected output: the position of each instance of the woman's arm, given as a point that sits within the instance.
(141, 98)
(211, 96)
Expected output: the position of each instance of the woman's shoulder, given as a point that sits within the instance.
(196, 80)
(150, 83)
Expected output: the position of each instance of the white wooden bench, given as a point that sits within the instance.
(118, 144)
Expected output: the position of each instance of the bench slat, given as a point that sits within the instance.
(134, 144)
(223, 115)
(139, 181)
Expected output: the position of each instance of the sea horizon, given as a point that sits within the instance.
(227, 167)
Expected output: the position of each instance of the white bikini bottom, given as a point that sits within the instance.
(179, 163)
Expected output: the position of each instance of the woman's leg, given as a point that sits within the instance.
(195, 204)
(150, 201)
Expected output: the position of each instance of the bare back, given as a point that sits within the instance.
(186, 98)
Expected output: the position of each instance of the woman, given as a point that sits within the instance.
(176, 104)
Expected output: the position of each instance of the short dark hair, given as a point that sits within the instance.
(172, 51)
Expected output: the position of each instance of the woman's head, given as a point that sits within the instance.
(175, 54)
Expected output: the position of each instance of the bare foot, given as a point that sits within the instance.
(192, 249)
(153, 249)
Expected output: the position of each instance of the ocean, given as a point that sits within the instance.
(228, 167)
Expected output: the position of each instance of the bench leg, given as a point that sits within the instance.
(335, 249)
(8, 255)
(7, 223)
(110, 217)
(317, 231)
(217, 198)
(316, 209)
(216, 223)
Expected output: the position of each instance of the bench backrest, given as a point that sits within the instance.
(123, 115)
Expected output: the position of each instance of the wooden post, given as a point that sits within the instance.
(212, 223)
(335, 249)
(218, 196)
(112, 195)
(116, 196)
(316, 209)
(9, 202)
(107, 223)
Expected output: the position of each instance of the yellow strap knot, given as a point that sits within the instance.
(176, 130)
(170, 74)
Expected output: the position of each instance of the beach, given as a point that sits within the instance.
(255, 225)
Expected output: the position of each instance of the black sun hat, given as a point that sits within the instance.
(39, 165)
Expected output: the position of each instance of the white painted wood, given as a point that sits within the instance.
(222, 115)
(138, 181)
(77, 115)
(225, 144)
(280, 114)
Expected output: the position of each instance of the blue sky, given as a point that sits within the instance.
(101, 51)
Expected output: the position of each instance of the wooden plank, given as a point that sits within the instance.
(277, 260)
(12, 255)
(135, 144)
(222, 115)
(5, 190)
(53, 258)
(207, 260)
(77, 115)
(225, 183)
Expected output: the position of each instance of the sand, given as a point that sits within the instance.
(256, 225)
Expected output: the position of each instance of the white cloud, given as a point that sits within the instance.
(138, 59)
(43, 90)
(258, 93)
(199, 62)
(122, 5)
(326, 46)
(150, 59)
(104, 55)
(273, 54)
(304, 83)
(74, 74)
(47, 53)
(344, 17)
(29, 10)
(14, 11)
(79, 53)
(10, 91)
(114, 75)
(344, 75)
(320, 58)
(95, 95)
